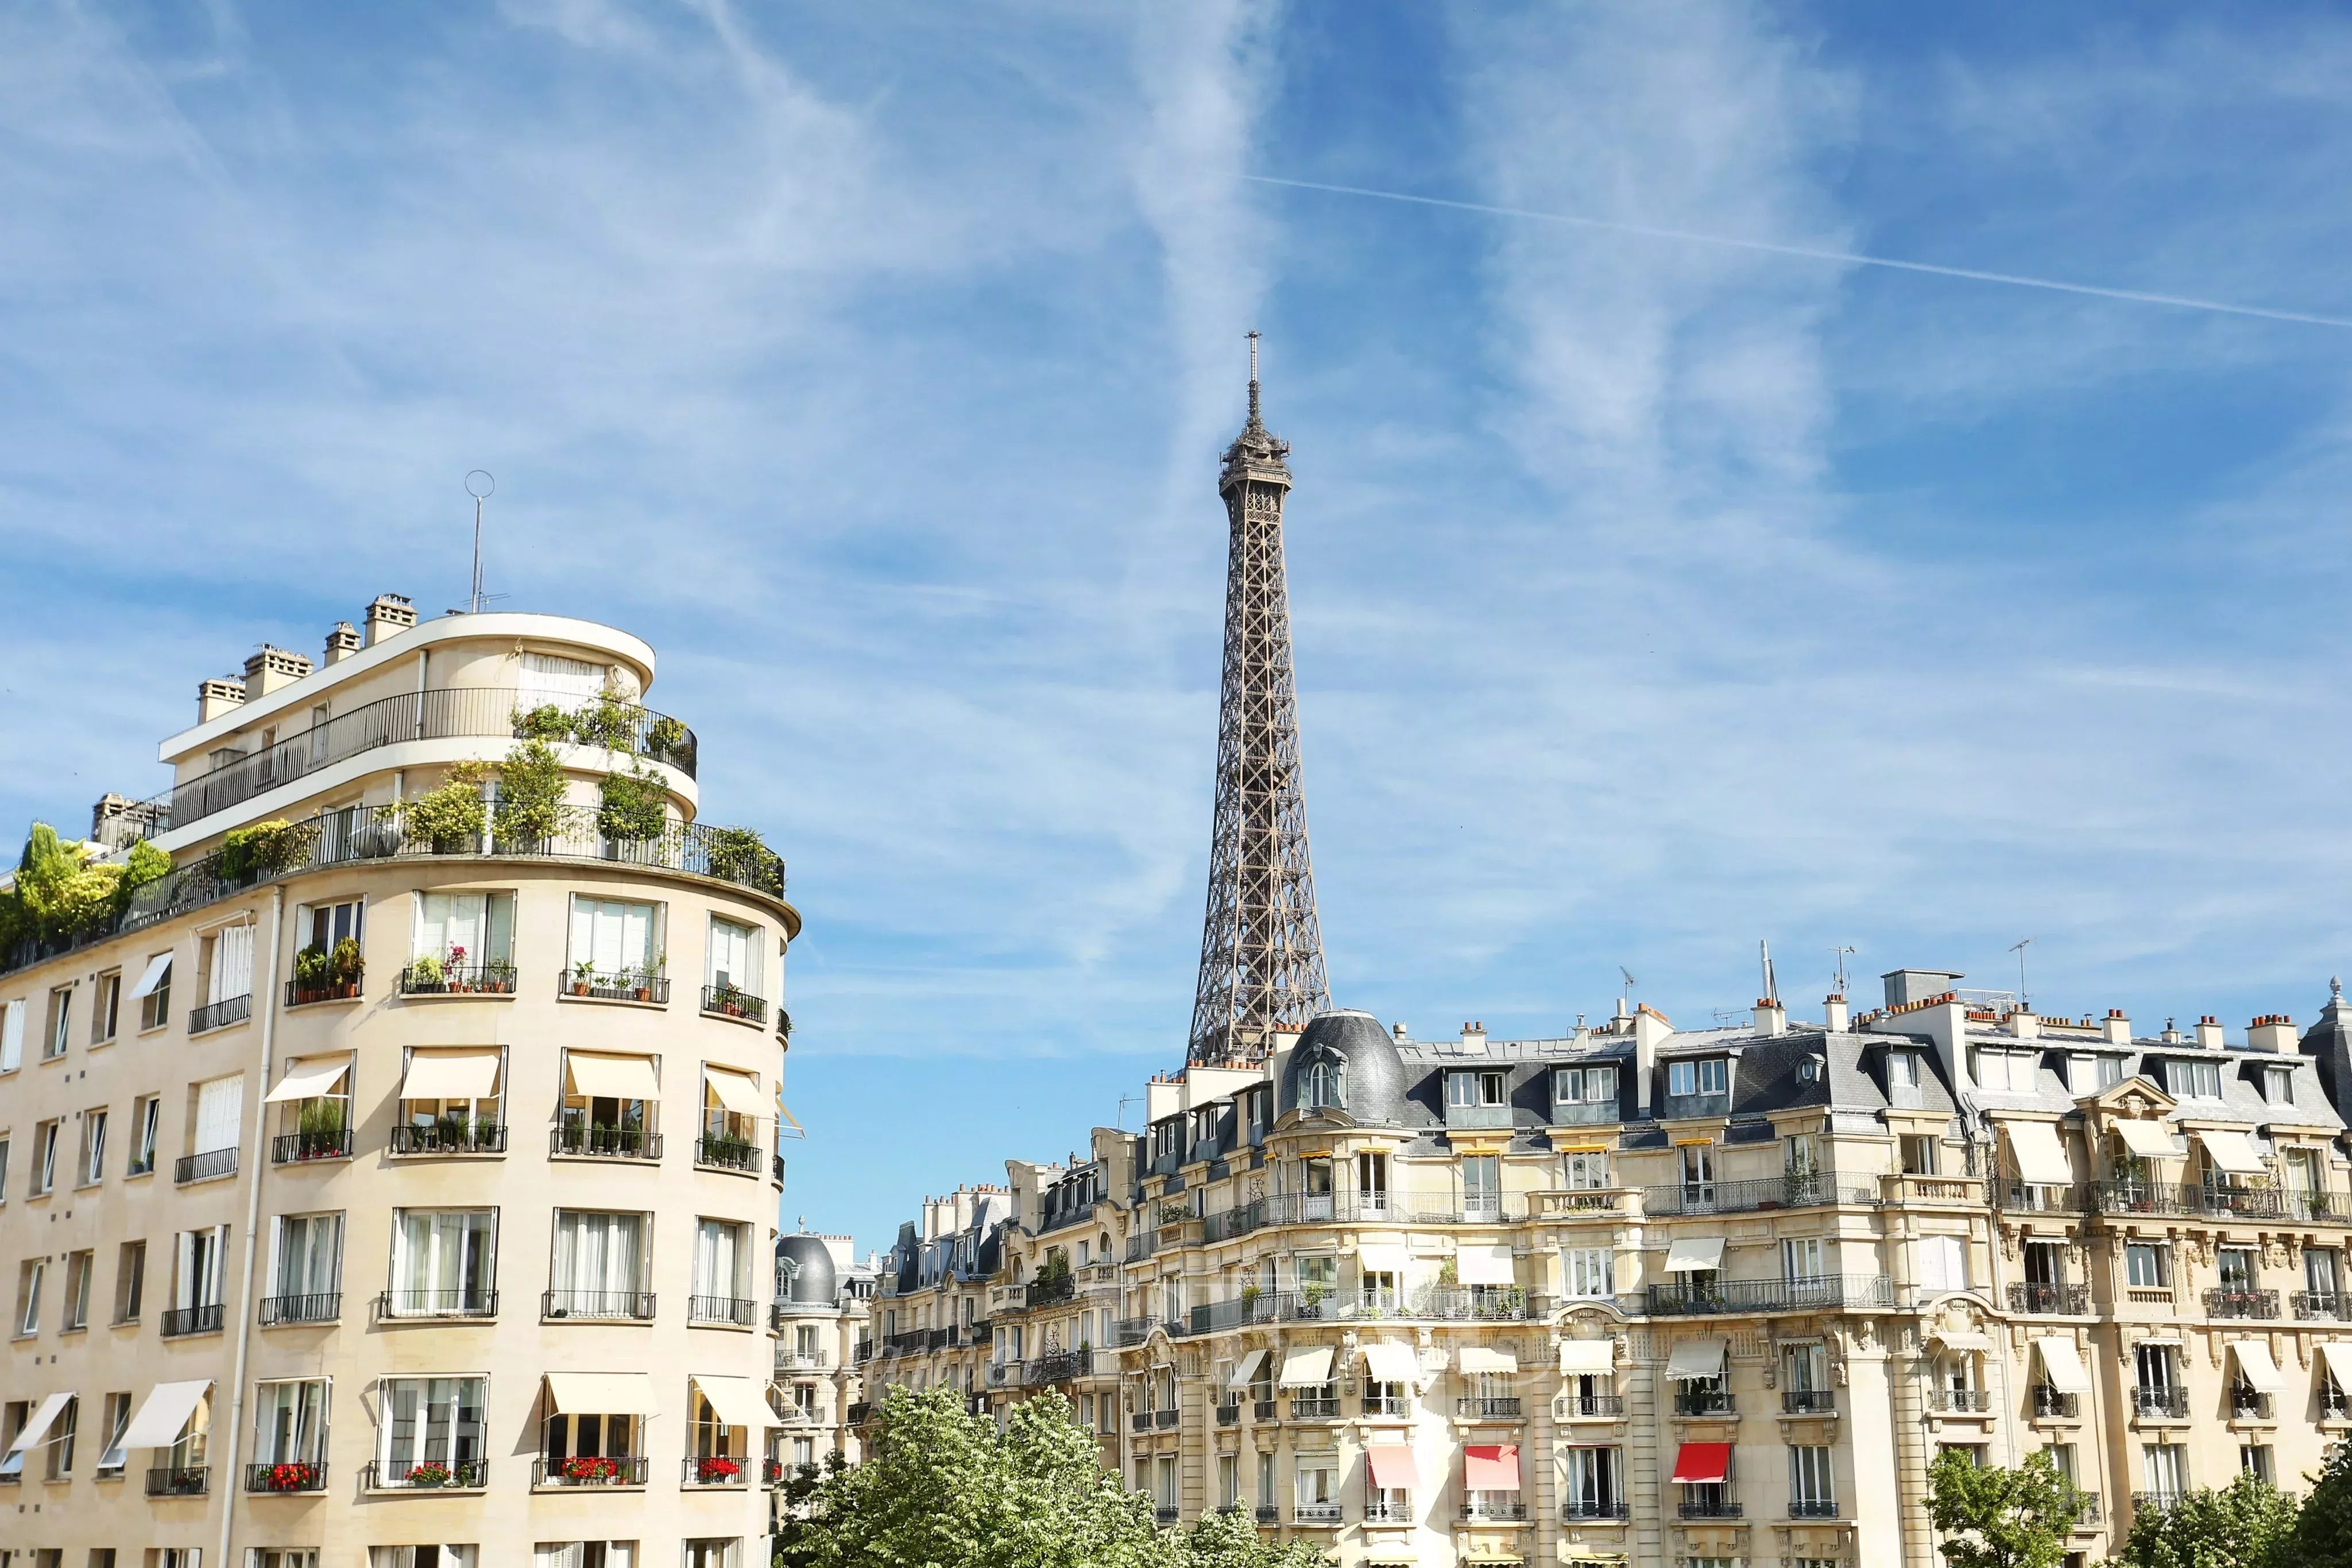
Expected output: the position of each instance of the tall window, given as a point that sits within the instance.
(430, 1420)
(1588, 1170)
(228, 964)
(1813, 1491)
(196, 1274)
(29, 1276)
(1698, 1173)
(146, 1119)
(1482, 1186)
(12, 1036)
(53, 1037)
(1804, 1371)
(444, 1261)
(735, 952)
(218, 1113)
(1801, 1261)
(309, 1270)
(154, 992)
(80, 1267)
(1943, 1263)
(105, 1011)
(62, 1432)
(1595, 1485)
(720, 1256)
(480, 926)
(1589, 1270)
(129, 1281)
(599, 1265)
(93, 1146)
(615, 939)
(2165, 1468)
(111, 1455)
(289, 1423)
(2145, 1266)
(45, 1157)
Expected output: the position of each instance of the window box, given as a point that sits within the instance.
(714, 1470)
(298, 1148)
(606, 1472)
(291, 1476)
(728, 1002)
(434, 978)
(179, 1480)
(430, 1475)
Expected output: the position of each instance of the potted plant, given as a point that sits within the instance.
(498, 975)
(311, 972)
(431, 1473)
(343, 968)
(715, 1470)
(292, 1477)
(643, 985)
(424, 973)
(319, 1128)
(582, 974)
(590, 1468)
(457, 969)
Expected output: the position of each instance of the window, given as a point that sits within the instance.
(615, 939)
(474, 932)
(306, 1272)
(1812, 1488)
(2006, 1072)
(1595, 1482)
(154, 992)
(1323, 1086)
(1229, 1480)
(568, 683)
(105, 1008)
(328, 923)
(1943, 1263)
(289, 1423)
(1589, 1270)
(215, 1112)
(1698, 1173)
(735, 951)
(720, 1254)
(53, 1037)
(1584, 1085)
(62, 1440)
(198, 1262)
(2254, 1459)
(443, 1262)
(1319, 1482)
(111, 1455)
(3, 1168)
(227, 959)
(1801, 1261)
(2189, 1079)
(1709, 1076)
(2305, 1173)
(430, 1420)
(80, 1267)
(584, 1554)
(2236, 1266)
(1805, 1370)
(1903, 1077)
(129, 1281)
(146, 1117)
(12, 1036)
(599, 1266)
(2165, 1470)
(2147, 1266)
(2321, 1274)
(45, 1157)
(2278, 1085)
(1588, 1170)
(712, 1553)
(2155, 1366)
(1482, 1186)
(93, 1148)
(1800, 1155)
(421, 1557)
(29, 1275)
(1919, 1154)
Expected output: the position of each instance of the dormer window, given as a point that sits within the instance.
(2189, 1079)
(2006, 1072)
(1584, 1086)
(2278, 1085)
(1709, 1075)
(1323, 1086)
(1465, 1089)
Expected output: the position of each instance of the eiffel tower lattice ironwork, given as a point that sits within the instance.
(1261, 947)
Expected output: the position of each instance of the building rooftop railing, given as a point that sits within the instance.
(1766, 1192)
(1828, 1292)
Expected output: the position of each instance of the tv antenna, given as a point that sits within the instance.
(2022, 1000)
(1771, 986)
(1630, 983)
(481, 486)
(1120, 1121)
(1838, 963)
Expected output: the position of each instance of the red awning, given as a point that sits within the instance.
(1703, 1462)
(1392, 1467)
(1491, 1467)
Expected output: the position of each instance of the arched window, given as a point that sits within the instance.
(1323, 1086)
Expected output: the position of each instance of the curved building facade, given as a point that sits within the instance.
(394, 1180)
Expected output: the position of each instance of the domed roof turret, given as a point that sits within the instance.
(1345, 1056)
(813, 1283)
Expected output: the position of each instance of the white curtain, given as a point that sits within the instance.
(309, 1254)
(290, 1425)
(232, 964)
(443, 1249)
(220, 1106)
(551, 679)
(598, 1251)
(612, 935)
(481, 923)
(735, 955)
(714, 1259)
(196, 1271)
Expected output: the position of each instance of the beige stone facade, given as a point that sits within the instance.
(1486, 1301)
(461, 1257)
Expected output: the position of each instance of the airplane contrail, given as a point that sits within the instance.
(1850, 258)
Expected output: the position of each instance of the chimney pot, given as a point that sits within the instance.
(2118, 1028)
(217, 696)
(341, 643)
(271, 668)
(2208, 1032)
(1835, 1014)
(388, 615)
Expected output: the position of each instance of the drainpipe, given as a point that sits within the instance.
(248, 1310)
(421, 655)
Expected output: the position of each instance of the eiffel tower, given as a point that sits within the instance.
(1261, 948)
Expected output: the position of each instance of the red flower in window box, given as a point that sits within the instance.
(589, 1468)
(293, 1477)
(428, 1475)
(716, 1469)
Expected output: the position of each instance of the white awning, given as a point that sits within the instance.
(2062, 1366)
(164, 1416)
(1588, 1357)
(39, 1424)
(1694, 1254)
(600, 1077)
(158, 970)
(738, 1092)
(2149, 1139)
(1309, 1368)
(1697, 1358)
(1960, 1340)
(737, 1400)
(1390, 1361)
(462, 1072)
(603, 1393)
(2337, 1353)
(1246, 1372)
(2254, 1361)
(1472, 1359)
(2230, 1151)
(1483, 1266)
(308, 1077)
(2040, 1157)
(1381, 1257)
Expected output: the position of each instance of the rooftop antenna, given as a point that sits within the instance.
(481, 486)
(1838, 962)
(1120, 1121)
(2022, 999)
(1771, 986)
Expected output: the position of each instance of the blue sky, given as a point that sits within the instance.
(1651, 597)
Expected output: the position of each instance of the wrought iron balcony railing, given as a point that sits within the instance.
(220, 1014)
(620, 985)
(425, 1475)
(715, 1471)
(438, 977)
(1766, 1192)
(1599, 1406)
(730, 1002)
(1961, 1401)
(1718, 1295)
(591, 1306)
(294, 1149)
(181, 1321)
(1493, 1409)
(2051, 1405)
(1808, 1401)
(1812, 1508)
(578, 1139)
(179, 1480)
(737, 1311)
(2238, 1303)
(1708, 1508)
(1314, 1407)
(1702, 1402)
(209, 1166)
(316, 1307)
(2025, 1296)
(450, 1137)
(2309, 1304)
(727, 1154)
(467, 1302)
(589, 1472)
(286, 1476)
(1496, 1510)
(2249, 1404)
(2169, 1401)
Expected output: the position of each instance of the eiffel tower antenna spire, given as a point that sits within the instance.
(1261, 947)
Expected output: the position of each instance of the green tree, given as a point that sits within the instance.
(2323, 1530)
(56, 894)
(2245, 1524)
(1224, 1540)
(1994, 1517)
(530, 794)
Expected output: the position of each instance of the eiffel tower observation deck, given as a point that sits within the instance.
(1261, 947)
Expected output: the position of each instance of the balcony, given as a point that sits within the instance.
(1573, 1203)
(1262, 1410)
(2249, 1404)
(286, 1476)
(1164, 1513)
(2162, 1401)
(1387, 1513)
(1493, 1409)
(1808, 1402)
(438, 977)
(714, 1470)
(220, 1014)
(1764, 1193)
(603, 1306)
(1314, 1407)
(1478, 1118)
(2311, 1304)
(1315, 1513)
(1961, 1401)
(1589, 1406)
(1707, 1507)
(184, 1321)
(1812, 1508)
(1139, 1421)
(475, 1302)
(179, 1480)
(1702, 1402)
(726, 1002)
(1165, 1418)
(734, 1312)
(1393, 1405)
(583, 984)
(585, 1142)
(2324, 1207)
(1586, 1114)
(1921, 1189)
(2041, 1197)
(727, 1154)
(786, 1360)
(1052, 1291)
(2086, 1510)
(2236, 1304)
(1579, 1511)
(301, 993)
(2025, 1296)
(1228, 1414)
(1227, 1224)
(210, 1166)
(859, 1412)
(2143, 1197)
(450, 1137)
(297, 1148)
(1512, 1509)
(582, 1472)
(321, 1307)
(1828, 1292)
(426, 1475)
(1268, 1515)
(2050, 1405)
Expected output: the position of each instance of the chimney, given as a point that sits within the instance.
(388, 616)
(1651, 1031)
(1835, 1015)
(1905, 987)
(2118, 1027)
(341, 643)
(273, 668)
(2024, 1022)
(118, 821)
(2273, 1032)
(2208, 1032)
(1473, 1036)
(215, 697)
(1771, 1018)
(1397, 1033)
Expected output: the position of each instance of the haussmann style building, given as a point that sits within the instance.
(391, 1183)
